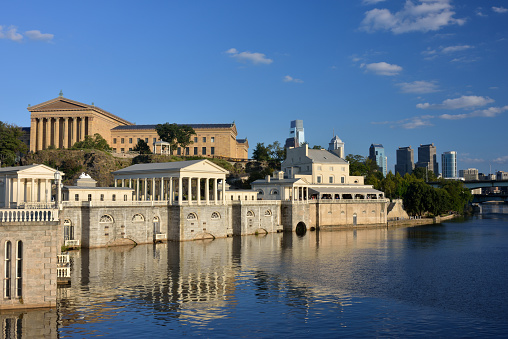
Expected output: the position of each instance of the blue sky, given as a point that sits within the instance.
(397, 73)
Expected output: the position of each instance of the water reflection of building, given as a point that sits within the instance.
(36, 323)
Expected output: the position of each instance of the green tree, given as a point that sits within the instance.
(316, 147)
(460, 196)
(10, 143)
(356, 164)
(261, 152)
(277, 152)
(176, 135)
(416, 198)
(142, 147)
(424, 174)
(96, 142)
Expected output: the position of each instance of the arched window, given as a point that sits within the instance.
(106, 218)
(138, 218)
(274, 192)
(68, 230)
(215, 215)
(7, 273)
(192, 216)
(250, 214)
(268, 213)
(261, 192)
(19, 269)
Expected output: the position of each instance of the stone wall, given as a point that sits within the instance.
(335, 213)
(39, 263)
(39, 323)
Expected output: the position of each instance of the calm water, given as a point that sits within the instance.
(440, 280)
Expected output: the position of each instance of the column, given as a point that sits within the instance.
(307, 194)
(162, 189)
(224, 190)
(32, 193)
(33, 134)
(47, 189)
(40, 123)
(292, 193)
(180, 188)
(215, 190)
(154, 196)
(48, 132)
(170, 191)
(18, 195)
(130, 183)
(198, 189)
(57, 133)
(74, 131)
(207, 191)
(116, 181)
(137, 189)
(65, 132)
(145, 188)
(189, 191)
(82, 129)
(7, 193)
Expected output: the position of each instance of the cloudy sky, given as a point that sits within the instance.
(398, 73)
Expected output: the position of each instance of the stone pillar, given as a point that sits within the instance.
(137, 189)
(74, 131)
(130, 183)
(224, 190)
(116, 181)
(82, 129)
(198, 189)
(189, 191)
(32, 193)
(180, 189)
(48, 132)
(207, 190)
(162, 189)
(65, 133)
(57, 133)
(40, 133)
(18, 192)
(215, 190)
(145, 189)
(170, 191)
(154, 196)
(292, 193)
(47, 190)
(33, 134)
(7, 199)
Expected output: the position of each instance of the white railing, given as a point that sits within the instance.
(72, 243)
(160, 236)
(63, 272)
(23, 215)
(38, 205)
(63, 259)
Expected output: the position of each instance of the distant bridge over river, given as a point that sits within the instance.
(472, 184)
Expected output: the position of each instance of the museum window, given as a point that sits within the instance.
(76, 197)
(89, 197)
(154, 139)
(342, 180)
(146, 140)
(212, 150)
(125, 197)
(113, 197)
(330, 180)
(212, 139)
(102, 197)
(130, 149)
(195, 151)
(179, 151)
(318, 179)
(19, 269)
(130, 140)
(114, 150)
(122, 140)
(122, 150)
(7, 272)
(203, 151)
(114, 140)
(195, 139)
(187, 150)
(204, 139)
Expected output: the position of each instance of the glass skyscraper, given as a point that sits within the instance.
(449, 164)
(377, 154)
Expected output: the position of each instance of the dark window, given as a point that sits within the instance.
(195, 151)
(19, 269)
(138, 139)
(146, 140)
(114, 140)
(204, 139)
(89, 197)
(130, 149)
(114, 197)
(154, 139)
(195, 139)
(102, 198)
(122, 150)
(212, 150)
(179, 151)
(203, 151)
(187, 151)
(130, 140)
(76, 197)
(125, 197)
(331, 180)
(122, 140)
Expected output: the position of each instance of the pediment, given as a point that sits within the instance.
(59, 104)
(206, 166)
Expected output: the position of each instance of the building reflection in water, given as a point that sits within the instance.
(36, 323)
(197, 282)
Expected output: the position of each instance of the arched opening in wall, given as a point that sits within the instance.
(260, 231)
(68, 230)
(301, 228)
(204, 236)
(355, 219)
(156, 225)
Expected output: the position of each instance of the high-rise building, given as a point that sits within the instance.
(449, 165)
(336, 146)
(469, 174)
(427, 158)
(296, 134)
(377, 154)
(405, 160)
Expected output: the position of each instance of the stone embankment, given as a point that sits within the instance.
(417, 222)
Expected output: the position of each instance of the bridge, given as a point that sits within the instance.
(472, 184)
(480, 198)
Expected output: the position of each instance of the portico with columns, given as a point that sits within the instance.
(195, 182)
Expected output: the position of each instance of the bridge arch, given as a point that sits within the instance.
(301, 228)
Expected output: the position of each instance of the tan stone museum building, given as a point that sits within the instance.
(62, 122)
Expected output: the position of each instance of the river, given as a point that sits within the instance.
(445, 280)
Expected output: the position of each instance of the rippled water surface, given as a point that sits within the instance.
(434, 281)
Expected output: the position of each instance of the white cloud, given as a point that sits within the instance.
(419, 87)
(37, 35)
(382, 68)
(371, 2)
(416, 123)
(10, 33)
(453, 49)
(255, 58)
(499, 9)
(490, 112)
(409, 123)
(471, 160)
(465, 101)
(288, 78)
(424, 16)
(501, 160)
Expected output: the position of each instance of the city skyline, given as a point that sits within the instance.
(388, 72)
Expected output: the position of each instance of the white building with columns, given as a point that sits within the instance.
(178, 183)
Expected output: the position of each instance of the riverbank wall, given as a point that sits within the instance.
(418, 222)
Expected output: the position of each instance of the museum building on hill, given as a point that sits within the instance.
(62, 122)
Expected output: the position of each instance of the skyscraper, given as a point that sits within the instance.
(427, 158)
(336, 146)
(449, 164)
(377, 154)
(405, 163)
(296, 134)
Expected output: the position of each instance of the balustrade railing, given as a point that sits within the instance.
(72, 243)
(24, 215)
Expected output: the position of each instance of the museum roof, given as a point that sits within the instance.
(164, 166)
(324, 156)
(151, 127)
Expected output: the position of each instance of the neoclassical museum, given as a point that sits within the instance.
(62, 122)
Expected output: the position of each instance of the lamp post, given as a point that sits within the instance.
(58, 178)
